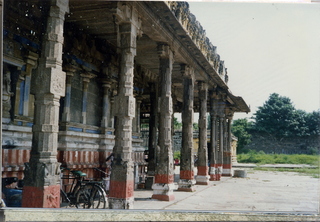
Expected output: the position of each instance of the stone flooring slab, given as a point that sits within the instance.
(260, 191)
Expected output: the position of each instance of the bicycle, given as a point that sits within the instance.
(83, 193)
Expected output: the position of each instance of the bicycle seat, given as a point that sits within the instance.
(78, 173)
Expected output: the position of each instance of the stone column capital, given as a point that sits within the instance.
(187, 71)
(203, 86)
(127, 13)
(164, 51)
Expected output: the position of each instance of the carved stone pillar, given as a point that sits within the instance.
(42, 174)
(221, 116)
(31, 62)
(164, 176)
(106, 104)
(122, 176)
(213, 138)
(153, 126)
(187, 181)
(85, 81)
(137, 118)
(202, 177)
(227, 165)
(67, 100)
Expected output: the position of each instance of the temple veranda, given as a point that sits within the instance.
(80, 76)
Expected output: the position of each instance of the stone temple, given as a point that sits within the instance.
(79, 77)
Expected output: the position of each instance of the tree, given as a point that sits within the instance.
(176, 124)
(313, 122)
(277, 117)
(240, 128)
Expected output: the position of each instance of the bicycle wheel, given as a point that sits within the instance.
(83, 197)
(98, 197)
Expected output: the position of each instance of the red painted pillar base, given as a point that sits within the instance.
(219, 171)
(163, 187)
(202, 177)
(227, 170)
(187, 181)
(213, 172)
(41, 197)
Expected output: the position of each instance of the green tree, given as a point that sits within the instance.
(240, 128)
(176, 124)
(313, 122)
(277, 117)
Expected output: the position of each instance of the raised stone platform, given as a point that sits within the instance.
(45, 214)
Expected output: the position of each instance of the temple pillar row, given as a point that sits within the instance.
(202, 177)
(42, 174)
(187, 181)
(164, 174)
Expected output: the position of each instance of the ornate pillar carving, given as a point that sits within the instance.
(187, 181)
(164, 176)
(122, 176)
(202, 177)
(42, 174)
(6, 95)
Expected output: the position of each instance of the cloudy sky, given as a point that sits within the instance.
(267, 48)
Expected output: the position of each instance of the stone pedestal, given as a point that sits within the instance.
(163, 192)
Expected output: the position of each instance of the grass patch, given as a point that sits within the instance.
(262, 158)
(313, 172)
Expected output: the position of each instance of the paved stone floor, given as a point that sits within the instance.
(260, 191)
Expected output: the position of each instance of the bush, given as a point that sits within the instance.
(177, 155)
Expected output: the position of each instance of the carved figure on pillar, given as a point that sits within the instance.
(202, 177)
(6, 94)
(42, 173)
(164, 175)
(122, 177)
(187, 181)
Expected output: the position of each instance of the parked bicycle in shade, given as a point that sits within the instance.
(81, 193)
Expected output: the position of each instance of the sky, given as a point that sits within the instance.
(267, 48)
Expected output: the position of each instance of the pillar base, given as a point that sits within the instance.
(186, 185)
(202, 179)
(163, 192)
(120, 203)
(149, 182)
(226, 172)
(41, 197)
(213, 175)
